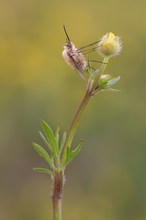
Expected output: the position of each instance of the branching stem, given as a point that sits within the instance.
(58, 176)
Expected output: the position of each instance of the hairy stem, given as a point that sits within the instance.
(57, 195)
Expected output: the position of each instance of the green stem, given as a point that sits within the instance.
(58, 176)
(100, 71)
(91, 88)
(104, 64)
(87, 97)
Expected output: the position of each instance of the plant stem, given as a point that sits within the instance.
(58, 177)
(87, 97)
(100, 71)
(57, 195)
(91, 87)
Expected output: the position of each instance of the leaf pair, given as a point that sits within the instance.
(44, 154)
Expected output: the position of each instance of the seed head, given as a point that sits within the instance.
(109, 45)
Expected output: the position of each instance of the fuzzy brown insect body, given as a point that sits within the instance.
(74, 57)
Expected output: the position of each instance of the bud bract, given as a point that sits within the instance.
(106, 81)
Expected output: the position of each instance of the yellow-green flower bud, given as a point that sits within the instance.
(109, 45)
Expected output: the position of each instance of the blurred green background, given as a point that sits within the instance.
(107, 181)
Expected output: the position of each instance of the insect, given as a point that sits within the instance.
(74, 57)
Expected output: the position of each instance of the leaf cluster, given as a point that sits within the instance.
(54, 148)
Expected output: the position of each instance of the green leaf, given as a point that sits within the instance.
(70, 154)
(49, 133)
(63, 141)
(43, 154)
(50, 137)
(57, 136)
(113, 90)
(45, 140)
(113, 81)
(42, 170)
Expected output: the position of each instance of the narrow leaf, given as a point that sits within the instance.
(113, 81)
(57, 135)
(45, 140)
(42, 170)
(71, 154)
(50, 137)
(43, 154)
(63, 141)
(114, 90)
(48, 132)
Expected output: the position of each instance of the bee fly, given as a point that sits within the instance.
(74, 57)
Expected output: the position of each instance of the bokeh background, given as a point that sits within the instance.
(107, 181)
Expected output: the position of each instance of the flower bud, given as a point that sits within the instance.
(109, 45)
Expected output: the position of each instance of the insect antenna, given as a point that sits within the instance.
(68, 39)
